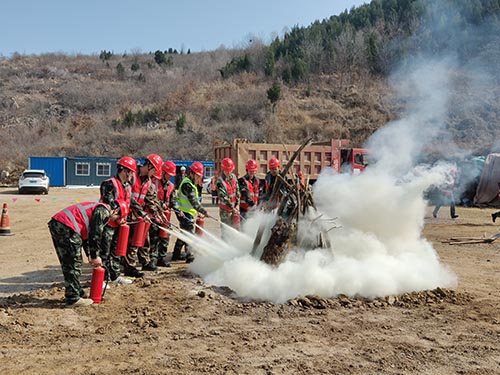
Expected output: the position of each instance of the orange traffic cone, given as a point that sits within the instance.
(4, 222)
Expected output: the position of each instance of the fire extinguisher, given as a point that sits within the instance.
(121, 246)
(235, 220)
(139, 234)
(96, 285)
(163, 233)
(145, 233)
(200, 222)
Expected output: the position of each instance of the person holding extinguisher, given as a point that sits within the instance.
(159, 238)
(115, 191)
(229, 197)
(73, 228)
(189, 208)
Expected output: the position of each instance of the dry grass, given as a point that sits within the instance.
(66, 105)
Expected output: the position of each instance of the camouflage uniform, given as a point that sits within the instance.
(189, 205)
(159, 245)
(135, 253)
(69, 244)
(225, 200)
(248, 200)
(110, 260)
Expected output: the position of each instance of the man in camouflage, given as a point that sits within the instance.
(158, 238)
(73, 228)
(144, 206)
(114, 190)
(229, 196)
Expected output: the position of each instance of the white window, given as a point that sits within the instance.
(103, 169)
(209, 171)
(82, 169)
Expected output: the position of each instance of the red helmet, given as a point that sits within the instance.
(252, 166)
(128, 163)
(157, 175)
(155, 160)
(197, 168)
(300, 174)
(169, 168)
(274, 163)
(227, 165)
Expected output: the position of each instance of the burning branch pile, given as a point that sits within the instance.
(292, 199)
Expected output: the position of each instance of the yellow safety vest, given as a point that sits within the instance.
(184, 203)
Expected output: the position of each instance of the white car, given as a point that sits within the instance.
(34, 181)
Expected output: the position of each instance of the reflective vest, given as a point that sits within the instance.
(140, 189)
(164, 195)
(230, 187)
(253, 192)
(184, 203)
(77, 217)
(121, 192)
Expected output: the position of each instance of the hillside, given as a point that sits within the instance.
(177, 105)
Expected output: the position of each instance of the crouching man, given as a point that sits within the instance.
(73, 228)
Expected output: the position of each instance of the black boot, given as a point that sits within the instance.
(151, 266)
(494, 216)
(162, 262)
(133, 272)
(177, 254)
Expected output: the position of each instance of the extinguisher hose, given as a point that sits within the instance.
(107, 267)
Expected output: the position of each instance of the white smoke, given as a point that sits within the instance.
(376, 244)
(373, 220)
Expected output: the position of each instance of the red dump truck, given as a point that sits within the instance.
(335, 154)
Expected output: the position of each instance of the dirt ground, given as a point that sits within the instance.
(171, 322)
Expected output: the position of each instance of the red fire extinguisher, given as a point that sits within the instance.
(139, 234)
(200, 222)
(121, 246)
(96, 285)
(164, 233)
(235, 220)
(145, 233)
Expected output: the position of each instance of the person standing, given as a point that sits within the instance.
(249, 186)
(269, 182)
(73, 228)
(159, 239)
(189, 207)
(446, 193)
(229, 196)
(113, 191)
(496, 215)
(213, 188)
(143, 204)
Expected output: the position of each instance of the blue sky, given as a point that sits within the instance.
(90, 26)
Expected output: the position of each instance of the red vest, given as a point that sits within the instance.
(140, 189)
(231, 192)
(121, 192)
(253, 191)
(164, 196)
(77, 217)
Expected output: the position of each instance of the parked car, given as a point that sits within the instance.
(34, 181)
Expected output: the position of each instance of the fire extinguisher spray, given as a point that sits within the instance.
(96, 285)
